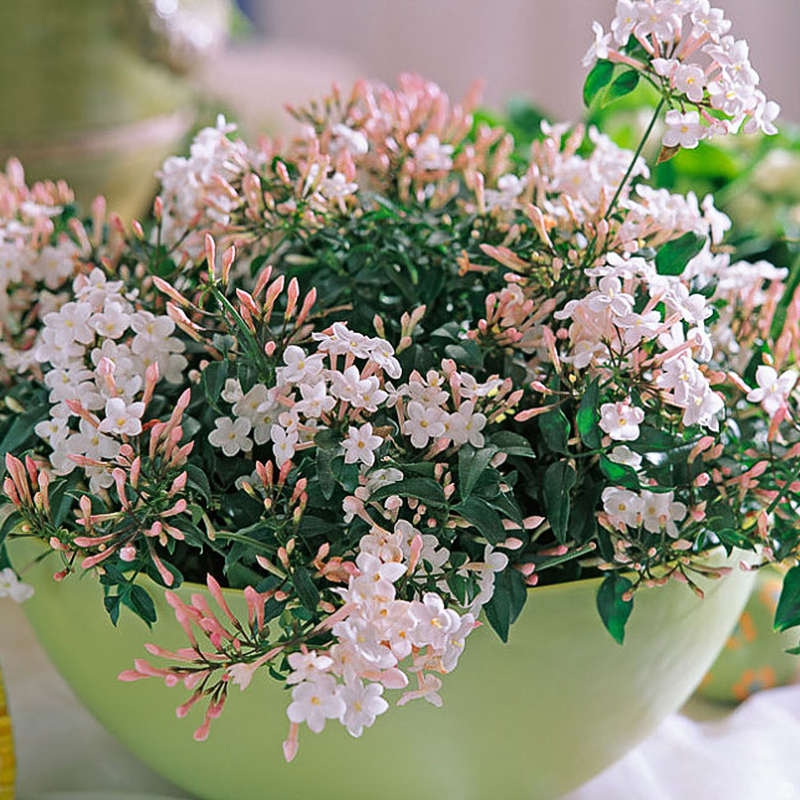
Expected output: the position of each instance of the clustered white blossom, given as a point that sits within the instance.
(292, 411)
(704, 69)
(375, 640)
(34, 267)
(605, 329)
(196, 191)
(98, 348)
(655, 511)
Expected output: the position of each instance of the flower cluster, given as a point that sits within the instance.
(42, 245)
(684, 49)
(388, 376)
(99, 348)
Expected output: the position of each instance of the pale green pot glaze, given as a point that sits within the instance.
(81, 102)
(531, 719)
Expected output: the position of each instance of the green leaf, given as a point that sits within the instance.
(731, 538)
(598, 78)
(554, 427)
(140, 602)
(111, 603)
(558, 481)
(306, 590)
(471, 465)
(21, 432)
(588, 417)
(673, 257)
(614, 611)
(512, 444)
(325, 476)
(623, 84)
(507, 601)
(197, 481)
(787, 614)
(10, 522)
(487, 521)
(213, 381)
(425, 489)
(619, 474)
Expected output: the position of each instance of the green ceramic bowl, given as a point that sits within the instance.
(530, 719)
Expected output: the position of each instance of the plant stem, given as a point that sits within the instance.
(635, 158)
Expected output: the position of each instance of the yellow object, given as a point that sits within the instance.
(6, 750)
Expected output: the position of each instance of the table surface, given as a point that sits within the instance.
(707, 752)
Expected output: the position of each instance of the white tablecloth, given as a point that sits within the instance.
(752, 753)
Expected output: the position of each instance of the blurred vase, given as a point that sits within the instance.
(97, 91)
(6, 750)
(755, 655)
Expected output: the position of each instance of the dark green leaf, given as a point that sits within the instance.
(480, 514)
(619, 474)
(599, 77)
(507, 601)
(588, 417)
(10, 522)
(213, 381)
(471, 465)
(140, 602)
(558, 481)
(512, 444)
(111, 603)
(673, 257)
(466, 353)
(21, 432)
(554, 427)
(731, 538)
(425, 489)
(327, 481)
(197, 481)
(614, 611)
(787, 615)
(623, 84)
(305, 588)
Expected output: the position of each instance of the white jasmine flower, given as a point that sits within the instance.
(683, 130)
(621, 420)
(11, 586)
(423, 424)
(308, 666)
(315, 702)
(362, 704)
(337, 187)
(232, 392)
(231, 436)
(660, 511)
(599, 47)
(434, 621)
(430, 154)
(283, 443)
(354, 141)
(382, 477)
(316, 401)
(690, 80)
(360, 445)
(465, 425)
(773, 389)
(122, 419)
(624, 507)
(622, 454)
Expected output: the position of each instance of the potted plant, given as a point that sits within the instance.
(370, 387)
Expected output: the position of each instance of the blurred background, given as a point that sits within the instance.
(100, 91)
